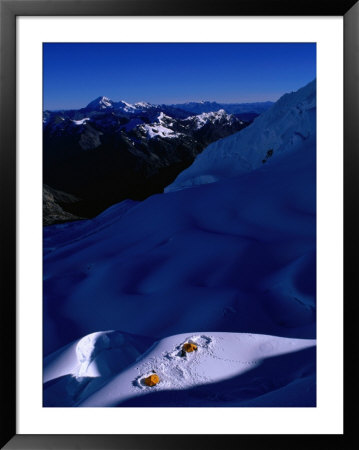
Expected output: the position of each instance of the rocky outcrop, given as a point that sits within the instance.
(52, 211)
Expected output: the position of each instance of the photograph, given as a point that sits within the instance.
(179, 224)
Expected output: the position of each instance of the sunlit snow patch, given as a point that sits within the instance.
(220, 357)
(81, 122)
(156, 130)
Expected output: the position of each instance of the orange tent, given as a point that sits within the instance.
(189, 347)
(152, 380)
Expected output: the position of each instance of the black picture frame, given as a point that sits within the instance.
(9, 10)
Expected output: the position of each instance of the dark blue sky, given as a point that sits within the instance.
(75, 74)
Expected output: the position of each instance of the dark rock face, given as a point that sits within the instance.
(108, 154)
(52, 211)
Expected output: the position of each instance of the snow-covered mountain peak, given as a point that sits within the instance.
(104, 103)
(100, 103)
(162, 117)
(163, 127)
(288, 125)
(214, 116)
(143, 105)
(133, 108)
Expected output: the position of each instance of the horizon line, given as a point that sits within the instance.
(166, 104)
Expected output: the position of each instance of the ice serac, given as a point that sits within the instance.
(288, 125)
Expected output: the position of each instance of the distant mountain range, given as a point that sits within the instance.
(110, 151)
(179, 110)
(252, 109)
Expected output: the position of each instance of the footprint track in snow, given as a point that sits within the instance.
(174, 368)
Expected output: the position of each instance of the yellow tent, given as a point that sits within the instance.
(189, 347)
(152, 380)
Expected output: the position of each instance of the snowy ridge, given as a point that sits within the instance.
(282, 128)
(125, 106)
(104, 103)
(143, 105)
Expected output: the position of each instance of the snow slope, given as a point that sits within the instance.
(283, 128)
(108, 369)
(237, 255)
(247, 243)
(230, 265)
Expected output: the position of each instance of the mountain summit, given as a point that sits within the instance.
(100, 104)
